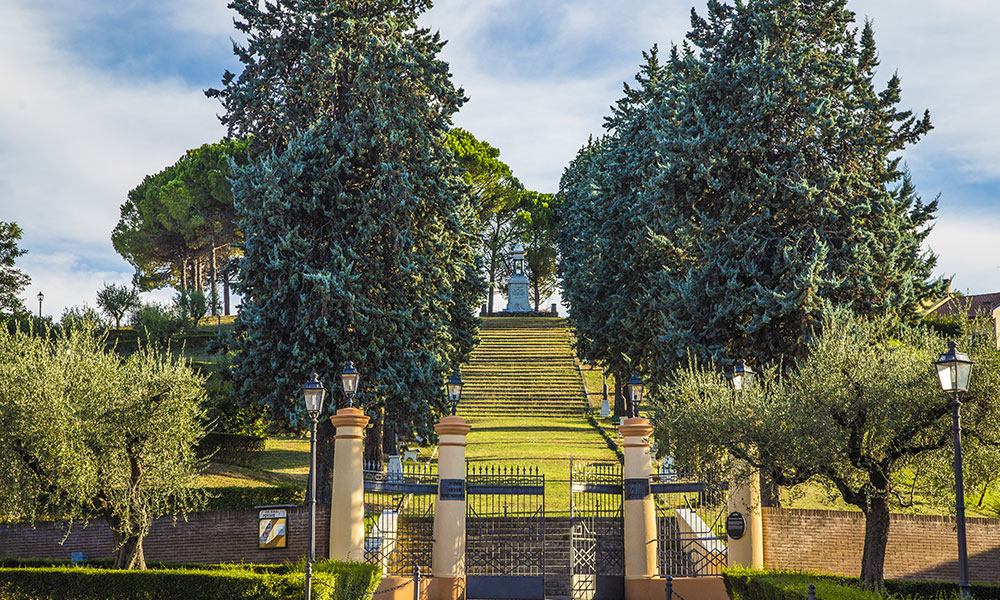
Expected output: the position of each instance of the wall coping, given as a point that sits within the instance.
(860, 516)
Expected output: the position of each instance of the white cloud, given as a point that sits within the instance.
(73, 141)
(968, 248)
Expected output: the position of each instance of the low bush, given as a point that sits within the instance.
(232, 448)
(156, 324)
(331, 581)
(243, 498)
(748, 584)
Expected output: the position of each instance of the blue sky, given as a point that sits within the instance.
(97, 95)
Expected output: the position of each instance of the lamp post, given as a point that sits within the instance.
(954, 370)
(742, 375)
(454, 390)
(313, 393)
(349, 379)
(41, 297)
(635, 386)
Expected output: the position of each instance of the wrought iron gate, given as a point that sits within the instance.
(399, 518)
(505, 533)
(597, 542)
(690, 523)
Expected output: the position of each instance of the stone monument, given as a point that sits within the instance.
(517, 285)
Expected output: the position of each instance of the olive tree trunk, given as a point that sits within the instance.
(876, 539)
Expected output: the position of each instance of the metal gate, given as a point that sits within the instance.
(690, 523)
(597, 541)
(505, 533)
(399, 518)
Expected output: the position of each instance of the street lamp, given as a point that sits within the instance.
(635, 392)
(313, 393)
(41, 297)
(954, 369)
(454, 390)
(349, 379)
(741, 375)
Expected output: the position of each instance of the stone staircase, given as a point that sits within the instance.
(523, 366)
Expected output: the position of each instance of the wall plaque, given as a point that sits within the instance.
(452, 489)
(272, 528)
(637, 488)
(736, 526)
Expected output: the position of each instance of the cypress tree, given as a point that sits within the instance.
(359, 233)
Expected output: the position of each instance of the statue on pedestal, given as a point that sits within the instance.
(517, 285)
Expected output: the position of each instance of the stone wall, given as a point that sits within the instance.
(206, 537)
(920, 546)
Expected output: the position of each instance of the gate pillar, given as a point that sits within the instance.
(744, 499)
(448, 560)
(640, 514)
(347, 509)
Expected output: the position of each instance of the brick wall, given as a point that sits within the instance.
(920, 546)
(206, 537)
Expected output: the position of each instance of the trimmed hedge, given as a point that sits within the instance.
(748, 584)
(232, 448)
(244, 498)
(331, 581)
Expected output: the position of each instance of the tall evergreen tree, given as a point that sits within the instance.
(359, 231)
(746, 184)
(12, 279)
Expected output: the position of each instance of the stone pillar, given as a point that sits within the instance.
(744, 498)
(347, 508)
(448, 562)
(640, 514)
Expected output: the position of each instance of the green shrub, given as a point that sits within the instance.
(243, 498)
(232, 448)
(748, 584)
(331, 581)
(190, 306)
(156, 324)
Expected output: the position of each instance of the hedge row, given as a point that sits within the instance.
(244, 498)
(747, 584)
(331, 581)
(232, 448)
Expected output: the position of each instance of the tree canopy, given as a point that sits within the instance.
(745, 185)
(85, 433)
(862, 413)
(181, 220)
(538, 221)
(12, 280)
(359, 230)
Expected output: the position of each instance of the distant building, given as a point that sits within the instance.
(976, 306)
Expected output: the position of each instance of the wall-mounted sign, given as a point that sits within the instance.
(736, 526)
(272, 528)
(452, 489)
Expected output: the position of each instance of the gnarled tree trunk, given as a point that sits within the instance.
(876, 539)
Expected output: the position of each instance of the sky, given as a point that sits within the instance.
(95, 96)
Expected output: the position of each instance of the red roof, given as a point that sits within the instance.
(977, 305)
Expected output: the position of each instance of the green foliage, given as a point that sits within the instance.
(118, 300)
(539, 223)
(746, 184)
(750, 584)
(331, 581)
(244, 498)
(113, 437)
(360, 235)
(12, 279)
(157, 324)
(231, 448)
(178, 215)
(81, 316)
(860, 413)
(190, 305)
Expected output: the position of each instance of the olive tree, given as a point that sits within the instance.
(858, 414)
(85, 433)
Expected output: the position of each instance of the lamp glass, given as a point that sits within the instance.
(635, 386)
(954, 370)
(454, 388)
(313, 393)
(349, 379)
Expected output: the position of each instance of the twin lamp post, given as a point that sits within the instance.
(313, 393)
(954, 371)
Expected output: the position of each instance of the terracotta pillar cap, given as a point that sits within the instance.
(452, 425)
(636, 427)
(350, 417)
